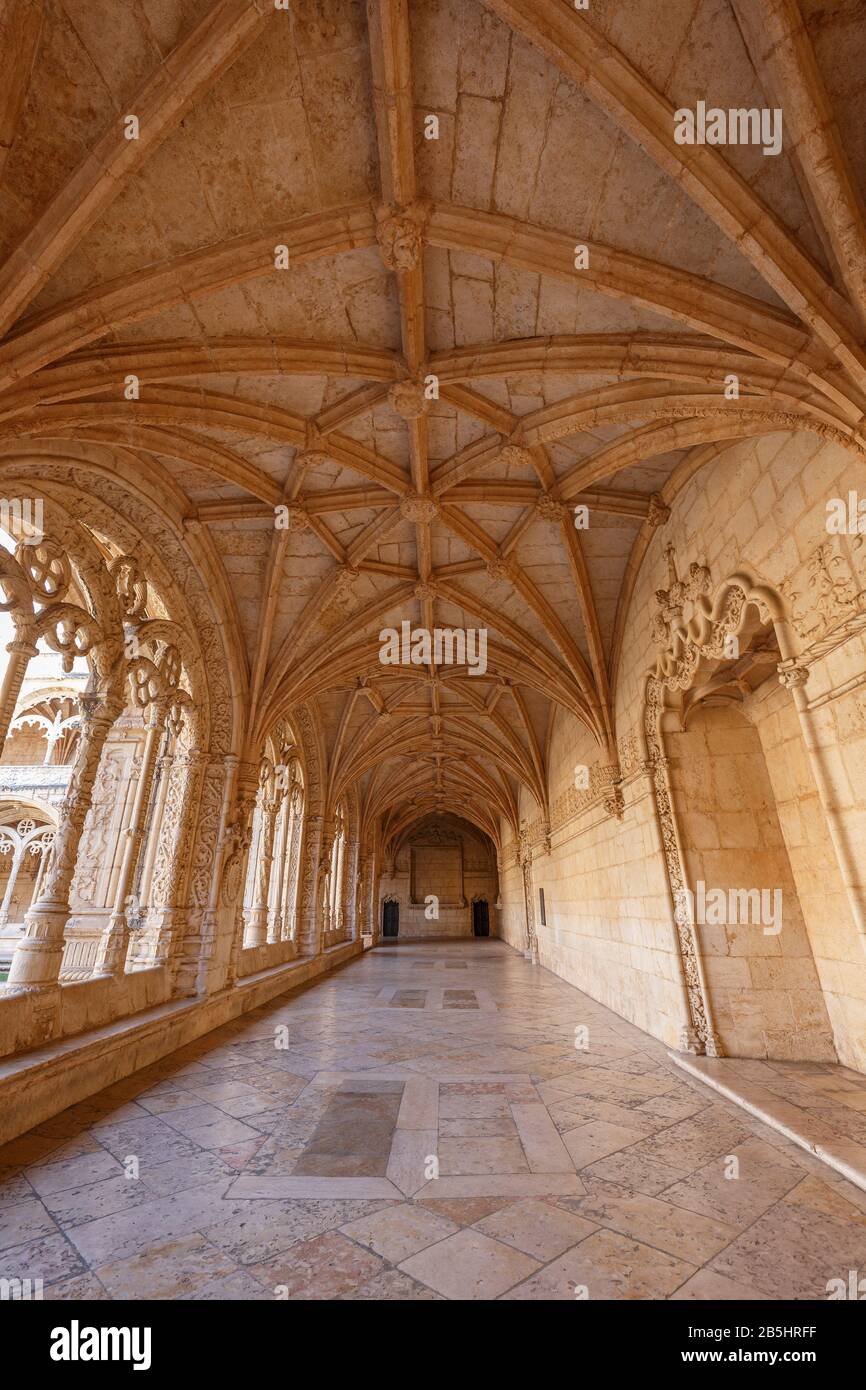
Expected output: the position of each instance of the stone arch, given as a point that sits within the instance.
(147, 520)
(749, 976)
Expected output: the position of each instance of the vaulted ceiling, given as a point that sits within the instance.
(387, 334)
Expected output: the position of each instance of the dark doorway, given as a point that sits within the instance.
(480, 918)
(390, 919)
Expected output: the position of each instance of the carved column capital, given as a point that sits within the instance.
(658, 511)
(792, 675)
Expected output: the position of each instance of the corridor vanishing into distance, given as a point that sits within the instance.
(432, 657)
(295, 1164)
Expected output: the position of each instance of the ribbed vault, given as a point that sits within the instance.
(283, 300)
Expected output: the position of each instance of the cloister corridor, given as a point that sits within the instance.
(299, 1171)
(432, 667)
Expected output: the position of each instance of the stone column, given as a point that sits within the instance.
(51, 738)
(37, 959)
(309, 936)
(291, 884)
(531, 948)
(373, 897)
(350, 889)
(43, 864)
(111, 955)
(17, 859)
(338, 888)
(257, 922)
(236, 850)
(20, 651)
(278, 873)
(361, 894)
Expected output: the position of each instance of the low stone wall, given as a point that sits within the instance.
(38, 1084)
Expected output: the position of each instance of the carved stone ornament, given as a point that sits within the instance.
(516, 456)
(792, 675)
(548, 509)
(418, 508)
(658, 512)
(131, 586)
(399, 238)
(407, 399)
(296, 519)
(670, 602)
(825, 591)
(705, 1040)
(346, 578)
(306, 459)
(498, 569)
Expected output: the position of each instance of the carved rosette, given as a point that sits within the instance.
(548, 509)
(515, 456)
(407, 399)
(499, 570)
(418, 508)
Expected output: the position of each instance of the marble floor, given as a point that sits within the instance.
(422, 1125)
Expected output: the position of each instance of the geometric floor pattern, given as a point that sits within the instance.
(422, 1125)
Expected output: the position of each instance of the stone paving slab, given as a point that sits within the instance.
(507, 1163)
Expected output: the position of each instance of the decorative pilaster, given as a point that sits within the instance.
(236, 847)
(525, 854)
(350, 885)
(699, 1034)
(257, 921)
(111, 956)
(309, 940)
(196, 950)
(278, 873)
(166, 915)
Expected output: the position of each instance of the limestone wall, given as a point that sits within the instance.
(455, 867)
(761, 504)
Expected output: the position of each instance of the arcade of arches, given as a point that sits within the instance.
(307, 355)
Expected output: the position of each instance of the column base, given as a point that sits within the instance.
(39, 954)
